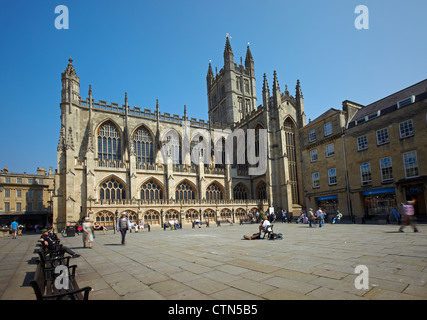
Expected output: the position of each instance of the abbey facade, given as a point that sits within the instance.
(157, 166)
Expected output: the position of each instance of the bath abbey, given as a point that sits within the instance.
(155, 166)
(252, 154)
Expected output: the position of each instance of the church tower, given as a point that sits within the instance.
(231, 92)
(65, 183)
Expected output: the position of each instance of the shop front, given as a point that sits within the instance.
(379, 202)
(329, 204)
(414, 190)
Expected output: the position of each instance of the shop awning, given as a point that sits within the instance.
(378, 191)
(334, 196)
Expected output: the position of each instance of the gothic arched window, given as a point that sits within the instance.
(219, 153)
(185, 191)
(152, 217)
(257, 128)
(143, 145)
(105, 218)
(112, 189)
(262, 191)
(240, 192)
(198, 152)
(109, 142)
(289, 129)
(172, 214)
(151, 190)
(172, 147)
(214, 192)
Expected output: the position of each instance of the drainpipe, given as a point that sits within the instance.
(349, 207)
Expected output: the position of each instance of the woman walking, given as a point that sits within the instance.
(87, 232)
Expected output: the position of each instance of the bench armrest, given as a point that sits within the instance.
(86, 291)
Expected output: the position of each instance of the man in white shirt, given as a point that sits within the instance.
(320, 217)
(264, 224)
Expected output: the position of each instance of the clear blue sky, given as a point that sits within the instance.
(161, 50)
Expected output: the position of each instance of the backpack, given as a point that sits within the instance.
(275, 236)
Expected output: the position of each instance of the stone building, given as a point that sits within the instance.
(367, 160)
(386, 145)
(157, 166)
(324, 162)
(26, 197)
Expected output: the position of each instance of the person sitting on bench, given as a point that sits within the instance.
(48, 242)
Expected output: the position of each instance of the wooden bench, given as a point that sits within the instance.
(47, 286)
(218, 222)
(168, 225)
(203, 222)
(48, 262)
(50, 253)
(246, 220)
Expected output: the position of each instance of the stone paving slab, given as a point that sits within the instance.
(217, 264)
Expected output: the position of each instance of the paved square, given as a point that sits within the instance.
(216, 263)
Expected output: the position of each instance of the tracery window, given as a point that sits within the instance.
(151, 191)
(191, 214)
(105, 218)
(172, 214)
(184, 191)
(172, 147)
(240, 213)
(289, 129)
(112, 189)
(199, 153)
(214, 192)
(262, 191)
(109, 142)
(225, 213)
(209, 214)
(219, 153)
(152, 217)
(143, 145)
(240, 192)
(257, 128)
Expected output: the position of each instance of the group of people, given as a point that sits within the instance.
(319, 217)
(124, 224)
(258, 216)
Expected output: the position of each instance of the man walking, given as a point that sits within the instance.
(14, 228)
(408, 216)
(123, 224)
(320, 217)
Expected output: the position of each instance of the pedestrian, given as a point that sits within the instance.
(320, 217)
(284, 215)
(88, 235)
(310, 217)
(14, 228)
(123, 224)
(408, 216)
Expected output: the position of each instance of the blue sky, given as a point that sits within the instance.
(161, 50)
